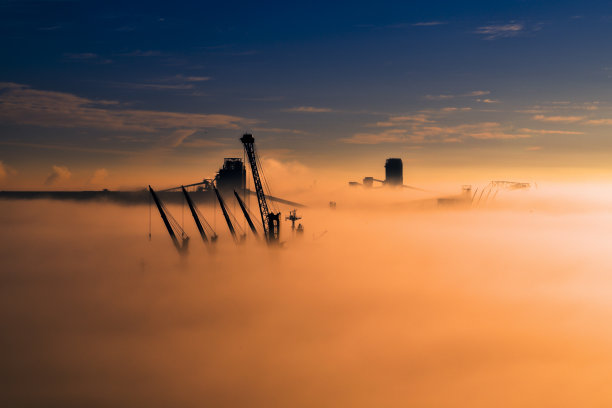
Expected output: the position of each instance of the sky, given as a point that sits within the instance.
(119, 94)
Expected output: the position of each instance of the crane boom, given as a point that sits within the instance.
(182, 248)
(226, 215)
(269, 220)
(246, 213)
(196, 218)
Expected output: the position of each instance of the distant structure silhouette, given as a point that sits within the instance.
(394, 172)
(232, 176)
(394, 176)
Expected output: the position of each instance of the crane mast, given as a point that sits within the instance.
(269, 220)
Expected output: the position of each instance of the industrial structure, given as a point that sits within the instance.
(269, 219)
(394, 172)
(394, 176)
(232, 176)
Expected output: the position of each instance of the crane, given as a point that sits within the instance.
(173, 227)
(293, 217)
(228, 220)
(198, 218)
(269, 220)
(245, 211)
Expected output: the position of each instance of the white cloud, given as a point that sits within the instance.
(492, 32)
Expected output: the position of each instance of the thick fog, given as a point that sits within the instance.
(388, 300)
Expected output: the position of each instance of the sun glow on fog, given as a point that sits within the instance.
(381, 303)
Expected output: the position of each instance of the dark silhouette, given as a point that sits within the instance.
(269, 220)
(173, 227)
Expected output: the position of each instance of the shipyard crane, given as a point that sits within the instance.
(199, 218)
(226, 215)
(245, 211)
(269, 220)
(173, 227)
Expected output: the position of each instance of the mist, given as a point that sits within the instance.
(388, 300)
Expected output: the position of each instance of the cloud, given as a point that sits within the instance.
(487, 100)
(477, 93)
(427, 130)
(455, 109)
(280, 130)
(551, 132)
(599, 122)
(559, 119)
(3, 171)
(24, 105)
(493, 32)
(410, 118)
(442, 97)
(177, 137)
(308, 109)
(58, 174)
(386, 136)
(90, 56)
(439, 97)
(197, 78)
(99, 176)
(429, 23)
(157, 87)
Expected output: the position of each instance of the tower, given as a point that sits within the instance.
(394, 172)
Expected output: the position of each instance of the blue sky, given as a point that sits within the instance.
(93, 85)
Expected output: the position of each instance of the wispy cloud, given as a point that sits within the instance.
(24, 105)
(141, 53)
(442, 97)
(428, 23)
(280, 130)
(599, 122)
(386, 136)
(308, 109)
(551, 132)
(197, 78)
(558, 119)
(87, 56)
(153, 86)
(411, 129)
(493, 32)
(58, 174)
(99, 176)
